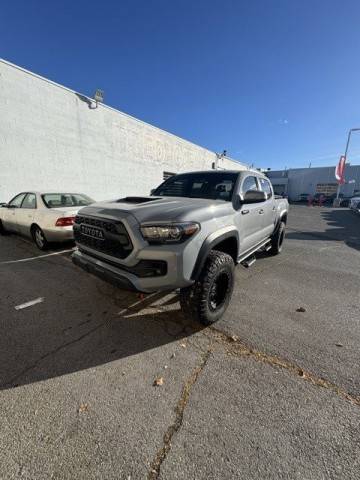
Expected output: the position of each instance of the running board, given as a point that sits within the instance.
(249, 262)
(266, 245)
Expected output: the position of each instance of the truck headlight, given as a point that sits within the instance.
(169, 233)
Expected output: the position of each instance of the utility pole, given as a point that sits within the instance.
(346, 151)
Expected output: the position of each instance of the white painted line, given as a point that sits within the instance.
(35, 258)
(30, 304)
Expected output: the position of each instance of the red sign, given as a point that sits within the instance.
(340, 170)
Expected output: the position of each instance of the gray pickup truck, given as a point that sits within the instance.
(189, 234)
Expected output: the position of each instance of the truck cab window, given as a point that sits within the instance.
(266, 187)
(250, 183)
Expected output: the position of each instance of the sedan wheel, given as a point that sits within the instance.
(39, 238)
(2, 229)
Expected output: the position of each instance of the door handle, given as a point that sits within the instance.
(261, 211)
(274, 208)
(244, 212)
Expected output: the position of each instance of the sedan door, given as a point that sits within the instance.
(25, 214)
(9, 216)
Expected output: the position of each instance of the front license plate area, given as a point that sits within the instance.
(92, 232)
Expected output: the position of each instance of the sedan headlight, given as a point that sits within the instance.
(169, 233)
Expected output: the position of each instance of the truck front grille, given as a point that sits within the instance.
(106, 236)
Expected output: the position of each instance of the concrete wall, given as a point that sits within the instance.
(52, 138)
(305, 180)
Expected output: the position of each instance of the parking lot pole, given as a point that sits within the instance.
(345, 155)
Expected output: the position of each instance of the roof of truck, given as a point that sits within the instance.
(251, 170)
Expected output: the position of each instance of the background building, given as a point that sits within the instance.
(296, 181)
(53, 138)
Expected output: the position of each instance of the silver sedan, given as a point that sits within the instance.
(44, 217)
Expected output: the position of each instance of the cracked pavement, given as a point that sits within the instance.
(267, 392)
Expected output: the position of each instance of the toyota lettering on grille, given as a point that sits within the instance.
(92, 232)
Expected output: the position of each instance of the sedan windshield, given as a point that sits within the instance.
(215, 186)
(58, 200)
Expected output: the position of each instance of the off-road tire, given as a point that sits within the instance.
(39, 238)
(2, 229)
(277, 240)
(199, 300)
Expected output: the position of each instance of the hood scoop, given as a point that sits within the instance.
(135, 200)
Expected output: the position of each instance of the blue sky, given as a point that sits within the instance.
(274, 82)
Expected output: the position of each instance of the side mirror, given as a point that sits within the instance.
(152, 191)
(254, 196)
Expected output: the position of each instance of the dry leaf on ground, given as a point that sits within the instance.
(84, 407)
(158, 382)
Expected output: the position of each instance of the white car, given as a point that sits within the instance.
(44, 217)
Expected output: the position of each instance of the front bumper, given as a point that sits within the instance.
(124, 279)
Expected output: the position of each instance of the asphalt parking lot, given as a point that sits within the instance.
(267, 392)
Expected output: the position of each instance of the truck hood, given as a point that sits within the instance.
(159, 209)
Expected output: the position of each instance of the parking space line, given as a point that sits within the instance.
(30, 304)
(35, 258)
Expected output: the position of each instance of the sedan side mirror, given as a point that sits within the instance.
(152, 191)
(254, 196)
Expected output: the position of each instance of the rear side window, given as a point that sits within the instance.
(266, 187)
(250, 183)
(29, 201)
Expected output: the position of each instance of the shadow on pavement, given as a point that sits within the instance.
(49, 345)
(343, 225)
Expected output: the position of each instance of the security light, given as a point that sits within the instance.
(99, 96)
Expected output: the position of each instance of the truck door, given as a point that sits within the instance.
(26, 213)
(249, 220)
(10, 212)
(269, 207)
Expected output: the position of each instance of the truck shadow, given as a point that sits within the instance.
(107, 325)
(342, 225)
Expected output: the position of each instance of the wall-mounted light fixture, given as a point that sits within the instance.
(98, 97)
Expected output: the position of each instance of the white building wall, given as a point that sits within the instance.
(52, 138)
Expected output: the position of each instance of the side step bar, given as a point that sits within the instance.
(247, 259)
(250, 261)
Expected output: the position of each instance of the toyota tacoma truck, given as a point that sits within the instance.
(188, 234)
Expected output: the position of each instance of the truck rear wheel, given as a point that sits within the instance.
(277, 240)
(209, 297)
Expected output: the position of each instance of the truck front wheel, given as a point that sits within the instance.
(209, 297)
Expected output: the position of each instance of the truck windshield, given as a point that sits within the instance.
(212, 185)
